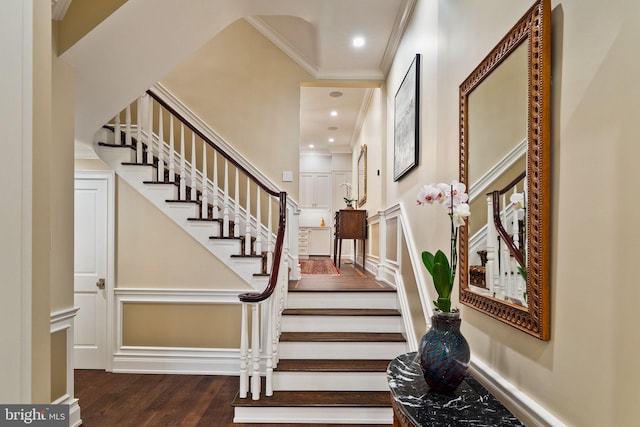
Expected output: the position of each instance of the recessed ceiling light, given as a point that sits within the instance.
(334, 113)
(358, 41)
(331, 139)
(311, 145)
(335, 94)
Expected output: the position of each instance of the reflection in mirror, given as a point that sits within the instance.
(497, 125)
(504, 161)
(362, 176)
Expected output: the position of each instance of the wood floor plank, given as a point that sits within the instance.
(156, 400)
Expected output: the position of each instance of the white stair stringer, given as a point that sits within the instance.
(158, 194)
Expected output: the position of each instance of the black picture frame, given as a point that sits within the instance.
(406, 122)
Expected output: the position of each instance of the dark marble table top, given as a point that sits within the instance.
(470, 405)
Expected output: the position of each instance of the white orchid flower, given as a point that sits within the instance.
(517, 201)
(460, 212)
(430, 194)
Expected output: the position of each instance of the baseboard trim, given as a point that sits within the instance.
(188, 361)
(522, 406)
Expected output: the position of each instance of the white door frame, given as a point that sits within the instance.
(109, 177)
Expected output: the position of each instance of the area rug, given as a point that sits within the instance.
(318, 267)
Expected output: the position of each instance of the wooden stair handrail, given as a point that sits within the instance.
(254, 297)
(515, 251)
(211, 143)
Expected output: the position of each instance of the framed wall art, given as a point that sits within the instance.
(406, 129)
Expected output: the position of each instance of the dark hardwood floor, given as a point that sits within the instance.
(157, 400)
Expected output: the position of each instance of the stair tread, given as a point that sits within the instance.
(332, 365)
(138, 164)
(197, 202)
(341, 312)
(106, 144)
(324, 291)
(175, 184)
(247, 256)
(342, 337)
(319, 399)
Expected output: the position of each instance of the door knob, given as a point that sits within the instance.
(100, 283)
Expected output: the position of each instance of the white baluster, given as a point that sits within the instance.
(172, 152)
(216, 208)
(193, 195)
(139, 131)
(255, 352)
(247, 229)
(270, 248)
(205, 183)
(244, 343)
(258, 222)
(127, 126)
(160, 146)
(117, 138)
(269, 346)
(149, 130)
(183, 182)
(491, 278)
(236, 206)
(225, 212)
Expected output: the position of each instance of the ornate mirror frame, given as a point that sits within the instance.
(362, 176)
(534, 28)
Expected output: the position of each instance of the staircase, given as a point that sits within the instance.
(334, 351)
(315, 355)
(211, 213)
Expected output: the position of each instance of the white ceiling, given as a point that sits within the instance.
(320, 41)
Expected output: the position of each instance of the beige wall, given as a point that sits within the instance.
(181, 325)
(62, 184)
(152, 251)
(587, 374)
(82, 17)
(372, 134)
(248, 91)
(41, 204)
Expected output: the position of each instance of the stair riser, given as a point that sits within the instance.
(342, 300)
(139, 173)
(309, 415)
(341, 324)
(328, 381)
(162, 192)
(113, 156)
(341, 350)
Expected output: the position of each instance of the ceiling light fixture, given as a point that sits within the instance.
(311, 145)
(331, 139)
(334, 113)
(358, 41)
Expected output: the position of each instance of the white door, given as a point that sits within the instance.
(90, 255)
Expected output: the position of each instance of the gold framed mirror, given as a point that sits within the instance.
(362, 176)
(505, 164)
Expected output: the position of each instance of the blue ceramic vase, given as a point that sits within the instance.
(444, 353)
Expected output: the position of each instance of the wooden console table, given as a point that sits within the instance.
(414, 405)
(349, 224)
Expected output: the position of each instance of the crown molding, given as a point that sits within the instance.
(402, 20)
